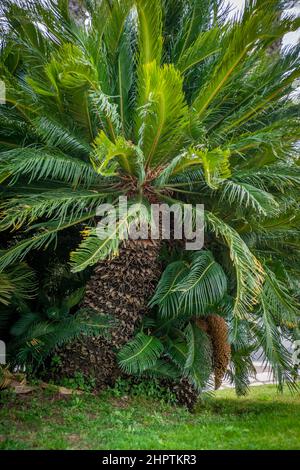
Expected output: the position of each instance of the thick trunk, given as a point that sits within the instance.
(120, 287)
(186, 394)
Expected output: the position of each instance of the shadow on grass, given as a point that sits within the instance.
(247, 407)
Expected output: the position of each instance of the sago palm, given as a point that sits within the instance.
(157, 100)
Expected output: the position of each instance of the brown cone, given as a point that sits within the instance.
(217, 329)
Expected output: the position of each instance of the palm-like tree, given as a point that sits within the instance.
(163, 100)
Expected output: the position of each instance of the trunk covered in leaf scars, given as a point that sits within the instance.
(186, 394)
(120, 287)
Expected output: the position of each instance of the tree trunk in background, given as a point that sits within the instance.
(122, 288)
(275, 47)
(77, 11)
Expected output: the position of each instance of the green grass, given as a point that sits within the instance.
(262, 420)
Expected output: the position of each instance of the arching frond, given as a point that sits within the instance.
(44, 164)
(166, 295)
(150, 31)
(277, 301)
(248, 196)
(162, 114)
(17, 282)
(214, 165)
(103, 242)
(23, 209)
(45, 235)
(271, 340)
(162, 370)
(274, 176)
(193, 356)
(206, 44)
(249, 272)
(205, 284)
(190, 287)
(140, 354)
(43, 336)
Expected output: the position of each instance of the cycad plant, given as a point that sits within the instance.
(159, 100)
(17, 283)
(37, 334)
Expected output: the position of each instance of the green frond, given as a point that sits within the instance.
(116, 14)
(22, 325)
(140, 354)
(276, 299)
(44, 336)
(162, 370)
(45, 163)
(206, 44)
(241, 369)
(190, 287)
(243, 344)
(31, 344)
(204, 285)
(162, 114)
(267, 86)
(13, 127)
(150, 31)
(71, 75)
(199, 351)
(277, 135)
(109, 157)
(92, 250)
(53, 134)
(268, 177)
(194, 17)
(107, 113)
(166, 296)
(45, 235)
(270, 339)
(249, 272)
(103, 242)
(248, 196)
(125, 82)
(242, 38)
(215, 164)
(17, 282)
(193, 356)
(61, 204)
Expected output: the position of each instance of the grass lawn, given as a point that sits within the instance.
(262, 420)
